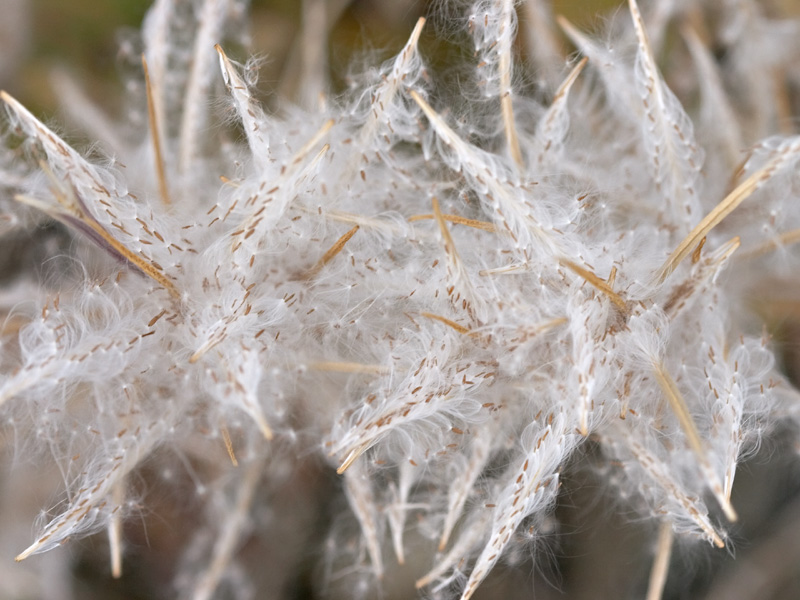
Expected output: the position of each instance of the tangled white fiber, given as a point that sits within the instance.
(446, 296)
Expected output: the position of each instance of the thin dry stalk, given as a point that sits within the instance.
(446, 321)
(226, 438)
(332, 252)
(596, 282)
(350, 367)
(115, 529)
(155, 136)
(231, 533)
(658, 576)
(681, 411)
(506, 104)
(458, 220)
(730, 203)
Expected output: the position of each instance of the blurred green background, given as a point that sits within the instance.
(82, 35)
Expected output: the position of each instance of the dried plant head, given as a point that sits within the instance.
(436, 304)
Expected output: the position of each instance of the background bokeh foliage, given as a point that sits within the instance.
(82, 35)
